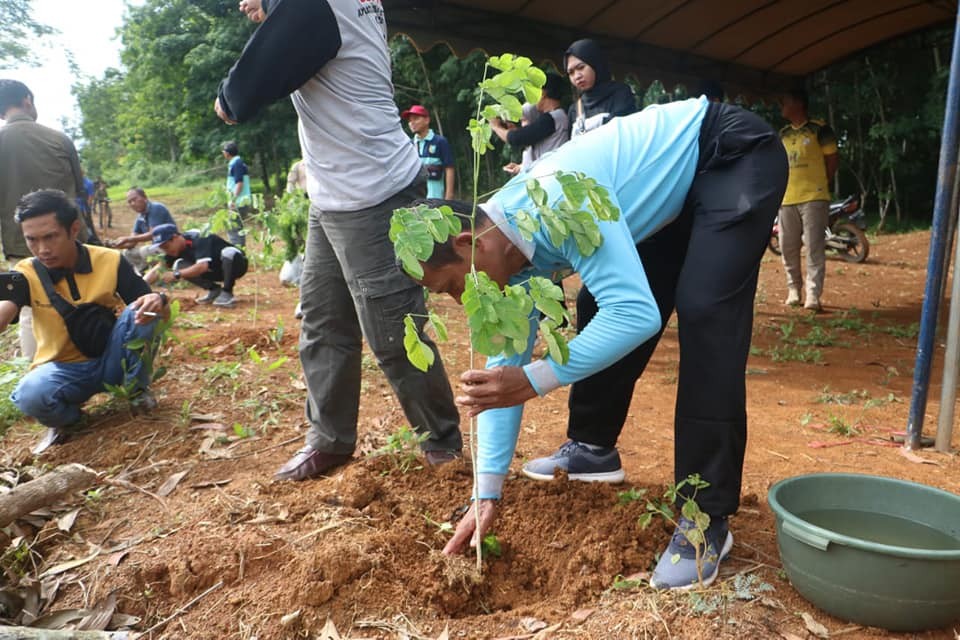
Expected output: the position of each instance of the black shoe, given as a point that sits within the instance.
(439, 457)
(310, 463)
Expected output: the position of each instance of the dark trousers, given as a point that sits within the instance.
(705, 265)
(233, 263)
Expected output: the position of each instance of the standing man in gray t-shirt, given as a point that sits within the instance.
(360, 166)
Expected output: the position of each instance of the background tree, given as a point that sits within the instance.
(19, 31)
(157, 115)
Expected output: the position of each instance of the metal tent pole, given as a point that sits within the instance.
(951, 360)
(941, 217)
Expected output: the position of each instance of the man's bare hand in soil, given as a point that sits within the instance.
(482, 389)
(466, 534)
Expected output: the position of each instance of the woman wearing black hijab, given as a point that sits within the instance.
(600, 98)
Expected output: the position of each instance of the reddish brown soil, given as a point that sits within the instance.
(362, 547)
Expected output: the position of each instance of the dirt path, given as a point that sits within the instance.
(361, 547)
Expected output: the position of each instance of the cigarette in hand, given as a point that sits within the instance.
(151, 314)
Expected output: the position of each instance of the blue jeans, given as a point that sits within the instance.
(53, 393)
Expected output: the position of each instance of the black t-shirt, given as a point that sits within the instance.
(202, 249)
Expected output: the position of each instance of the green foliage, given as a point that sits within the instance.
(241, 431)
(158, 108)
(128, 390)
(686, 492)
(584, 202)
(630, 495)
(621, 583)
(498, 319)
(420, 355)
(909, 332)
(19, 33)
(264, 364)
(831, 397)
(490, 546)
(11, 371)
(836, 424)
(415, 231)
(403, 449)
(288, 220)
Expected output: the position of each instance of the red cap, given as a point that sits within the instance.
(415, 110)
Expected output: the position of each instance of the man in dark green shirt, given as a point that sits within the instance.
(32, 157)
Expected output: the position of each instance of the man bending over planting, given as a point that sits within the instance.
(698, 185)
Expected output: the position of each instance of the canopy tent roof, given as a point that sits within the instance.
(751, 46)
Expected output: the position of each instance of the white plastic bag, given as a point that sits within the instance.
(291, 270)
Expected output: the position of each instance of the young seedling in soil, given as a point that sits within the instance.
(630, 495)
(402, 449)
(690, 510)
(148, 349)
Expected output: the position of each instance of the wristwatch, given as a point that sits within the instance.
(176, 274)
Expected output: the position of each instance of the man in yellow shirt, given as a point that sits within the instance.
(812, 153)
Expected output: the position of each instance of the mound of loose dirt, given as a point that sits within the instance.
(362, 547)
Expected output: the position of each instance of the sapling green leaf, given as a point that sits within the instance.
(527, 224)
(480, 136)
(420, 355)
(547, 298)
(439, 326)
(556, 343)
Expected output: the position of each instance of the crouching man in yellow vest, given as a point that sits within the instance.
(74, 291)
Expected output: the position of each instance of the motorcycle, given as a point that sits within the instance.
(845, 234)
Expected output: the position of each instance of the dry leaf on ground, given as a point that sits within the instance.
(815, 627)
(329, 632)
(65, 522)
(171, 483)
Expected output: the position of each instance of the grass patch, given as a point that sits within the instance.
(11, 371)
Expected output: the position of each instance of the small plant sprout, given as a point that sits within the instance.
(689, 509)
(260, 362)
(403, 448)
(148, 349)
(490, 546)
(241, 431)
(445, 528)
(630, 495)
(621, 583)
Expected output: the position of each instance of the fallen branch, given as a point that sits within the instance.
(29, 633)
(44, 491)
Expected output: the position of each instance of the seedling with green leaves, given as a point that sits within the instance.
(148, 350)
(689, 509)
(402, 449)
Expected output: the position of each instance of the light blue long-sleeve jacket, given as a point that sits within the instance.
(647, 162)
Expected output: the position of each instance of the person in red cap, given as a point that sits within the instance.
(435, 153)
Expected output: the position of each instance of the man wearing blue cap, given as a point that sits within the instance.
(210, 262)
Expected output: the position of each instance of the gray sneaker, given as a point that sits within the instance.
(677, 568)
(209, 296)
(580, 461)
(225, 299)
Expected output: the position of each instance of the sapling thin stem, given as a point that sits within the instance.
(473, 274)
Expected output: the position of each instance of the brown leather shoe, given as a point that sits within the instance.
(310, 463)
(441, 456)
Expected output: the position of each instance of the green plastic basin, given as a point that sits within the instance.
(875, 551)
